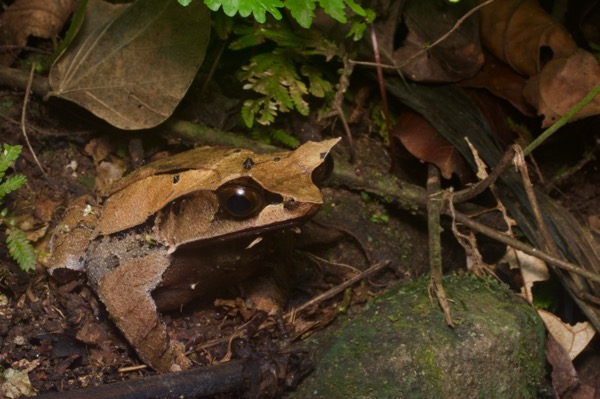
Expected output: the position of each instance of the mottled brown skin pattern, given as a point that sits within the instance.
(165, 234)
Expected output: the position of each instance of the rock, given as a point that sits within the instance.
(401, 347)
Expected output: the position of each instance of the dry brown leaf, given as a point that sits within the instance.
(532, 270)
(565, 380)
(107, 173)
(425, 143)
(562, 83)
(109, 167)
(522, 34)
(457, 57)
(503, 82)
(574, 338)
(131, 65)
(100, 148)
(39, 18)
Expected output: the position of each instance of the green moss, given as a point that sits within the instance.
(401, 347)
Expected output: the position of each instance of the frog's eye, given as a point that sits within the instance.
(240, 201)
(323, 171)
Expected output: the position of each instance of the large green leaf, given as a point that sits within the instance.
(131, 65)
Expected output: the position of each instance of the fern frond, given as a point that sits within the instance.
(274, 76)
(21, 249)
(317, 85)
(285, 138)
(297, 90)
(8, 155)
(11, 184)
(286, 76)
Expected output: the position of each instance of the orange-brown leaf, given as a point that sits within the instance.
(562, 84)
(425, 143)
(502, 82)
(522, 34)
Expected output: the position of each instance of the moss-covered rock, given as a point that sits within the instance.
(401, 347)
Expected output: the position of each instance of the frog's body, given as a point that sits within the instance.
(179, 227)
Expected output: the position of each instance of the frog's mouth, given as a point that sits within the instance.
(251, 229)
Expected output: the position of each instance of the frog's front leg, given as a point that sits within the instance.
(126, 292)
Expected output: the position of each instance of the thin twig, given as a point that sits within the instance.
(129, 369)
(237, 332)
(411, 198)
(350, 234)
(384, 100)
(434, 208)
(337, 289)
(549, 241)
(445, 35)
(342, 116)
(510, 241)
(482, 185)
(435, 43)
(23, 119)
(338, 100)
(325, 261)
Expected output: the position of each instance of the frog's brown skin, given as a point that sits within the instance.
(163, 237)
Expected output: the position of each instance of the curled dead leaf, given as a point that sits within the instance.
(565, 380)
(39, 18)
(573, 338)
(532, 270)
(523, 35)
(425, 143)
(562, 83)
(502, 81)
(456, 57)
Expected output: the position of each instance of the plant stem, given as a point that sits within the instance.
(562, 121)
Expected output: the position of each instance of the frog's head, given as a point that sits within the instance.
(216, 194)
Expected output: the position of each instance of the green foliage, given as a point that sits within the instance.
(303, 11)
(285, 76)
(359, 23)
(7, 157)
(378, 119)
(285, 69)
(545, 295)
(274, 76)
(19, 246)
(380, 218)
(11, 184)
(258, 9)
(21, 249)
(275, 136)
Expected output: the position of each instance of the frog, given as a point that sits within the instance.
(178, 228)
